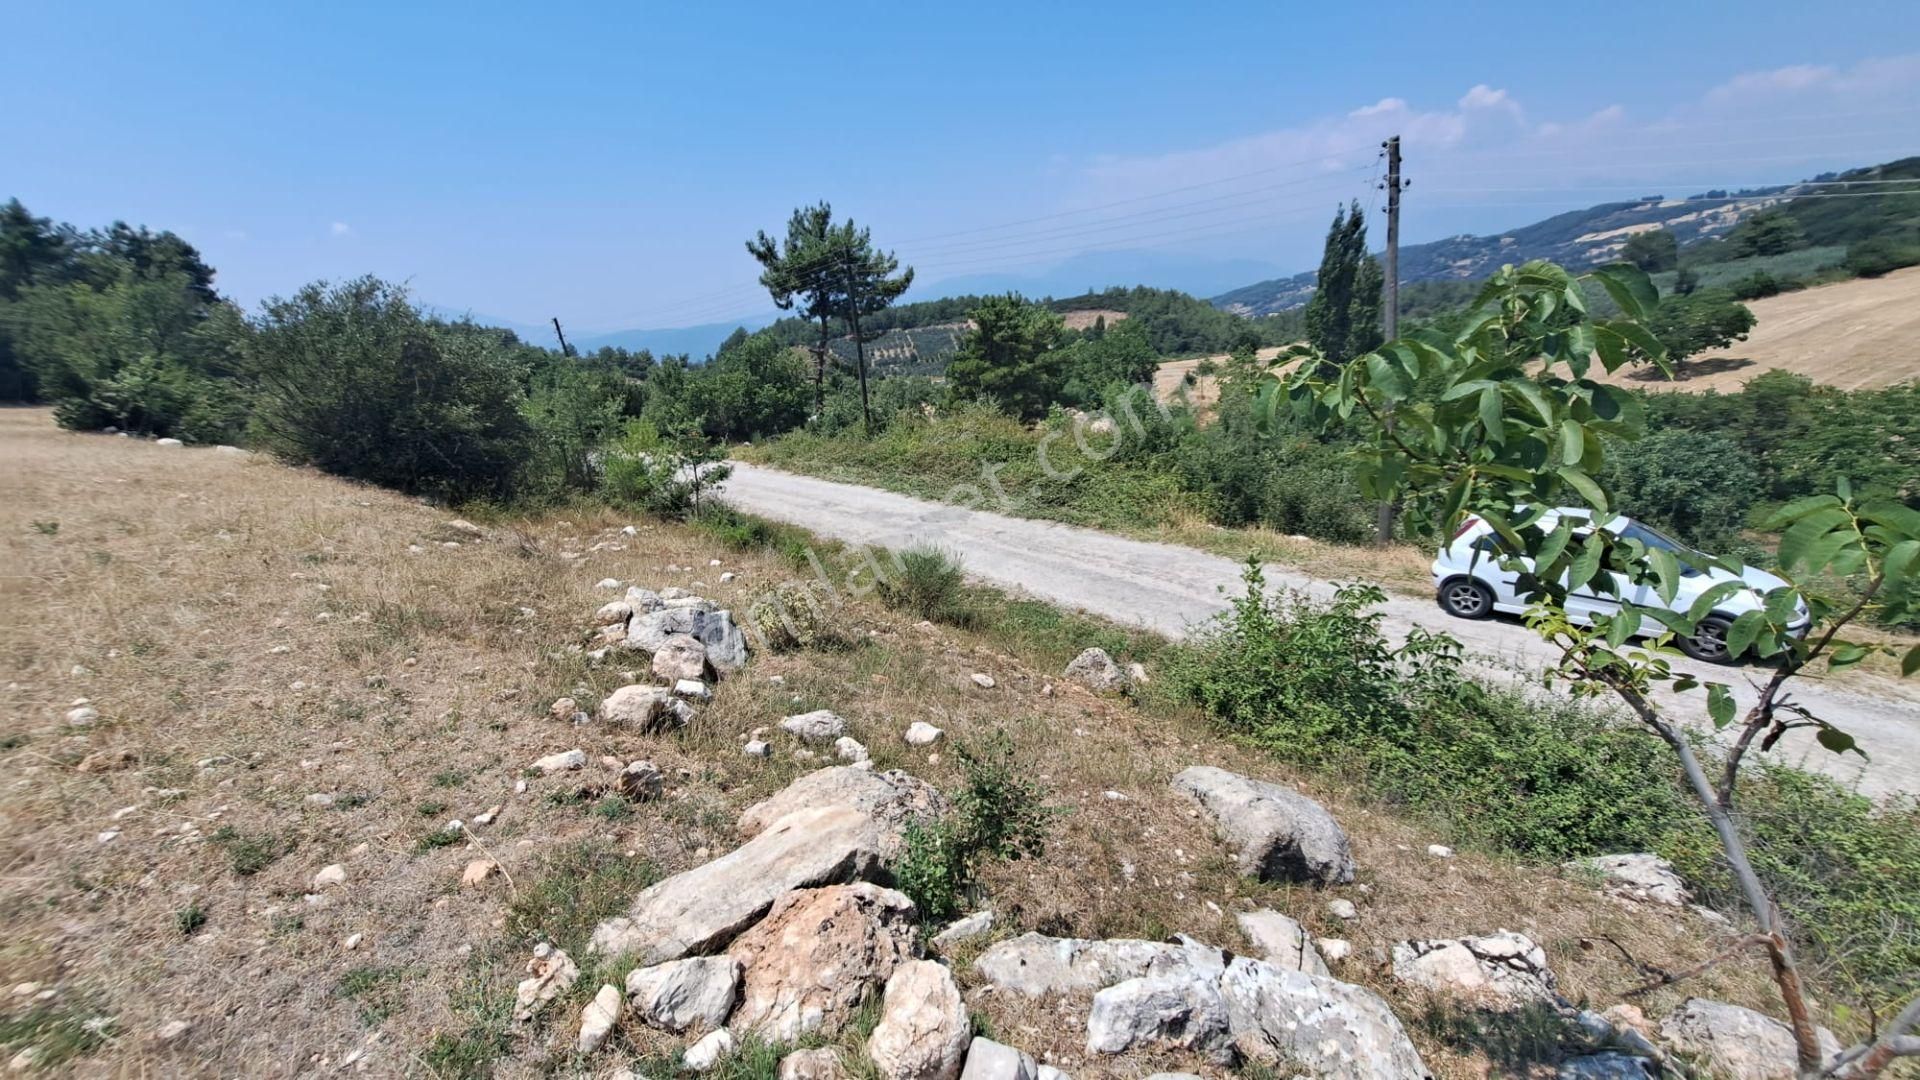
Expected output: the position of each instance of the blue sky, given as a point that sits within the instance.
(604, 163)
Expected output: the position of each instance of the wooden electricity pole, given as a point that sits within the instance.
(565, 349)
(859, 347)
(1383, 524)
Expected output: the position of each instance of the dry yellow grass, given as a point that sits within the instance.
(253, 635)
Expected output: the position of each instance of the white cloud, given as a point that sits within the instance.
(339, 228)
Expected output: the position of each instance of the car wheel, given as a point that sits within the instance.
(1709, 640)
(1465, 598)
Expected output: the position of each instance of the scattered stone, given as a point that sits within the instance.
(641, 601)
(478, 871)
(650, 710)
(352, 941)
(727, 578)
(1317, 1025)
(757, 748)
(821, 1063)
(330, 876)
(707, 906)
(1037, 965)
(1163, 1013)
(320, 799)
(489, 815)
(561, 762)
(890, 798)
(550, 973)
(597, 1021)
(1341, 908)
(1137, 673)
(606, 583)
(921, 733)
(1440, 851)
(563, 708)
(963, 929)
(726, 643)
(989, 1060)
(982, 680)
(706, 1053)
(1734, 1041)
(1281, 941)
(692, 688)
(614, 612)
(168, 442)
(817, 956)
(820, 725)
(924, 1028)
(172, 1031)
(850, 749)
(1096, 671)
(1279, 834)
(1334, 950)
(641, 781)
(697, 993)
(1504, 970)
(1609, 1065)
(1643, 877)
(82, 716)
(108, 836)
(680, 656)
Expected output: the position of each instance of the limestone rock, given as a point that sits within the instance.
(983, 680)
(642, 601)
(924, 1027)
(821, 1063)
(478, 871)
(697, 993)
(989, 1060)
(1278, 833)
(330, 876)
(614, 611)
(703, 908)
(680, 656)
(1503, 970)
(818, 955)
(1281, 941)
(1096, 671)
(921, 733)
(561, 762)
(647, 709)
(597, 1021)
(1037, 965)
(1739, 1042)
(849, 749)
(726, 643)
(709, 1051)
(1608, 1065)
(1324, 1026)
(168, 442)
(550, 973)
(820, 725)
(641, 781)
(648, 632)
(1641, 876)
(891, 798)
(963, 929)
(1161, 1013)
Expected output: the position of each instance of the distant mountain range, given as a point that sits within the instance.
(1578, 238)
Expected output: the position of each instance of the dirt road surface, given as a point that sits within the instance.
(1174, 589)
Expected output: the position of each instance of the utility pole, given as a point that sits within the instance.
(859, 347)
(565, 349)
(1383, 523)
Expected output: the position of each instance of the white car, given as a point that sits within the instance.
(1471, 584)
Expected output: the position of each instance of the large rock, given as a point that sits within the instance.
(597, 1020)
(1608, 1065)
(680, 656)
(924, 1028)
(697, 993)
(641, 601)
(1503, 971)
(1281, 941)
(704, 908)
(1738, 1042)
(820, 1063)
(1278, 833)
(1647, 878)
(1036, 965)
(648, 632)
(989, 1060)
(820, 725)
(647, 709)
(1322, 1026)
(818, 955)
(1096, 671)
(891, 798)
(1161, 1013)
(726, 643)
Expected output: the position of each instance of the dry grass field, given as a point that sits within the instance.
(292, 671)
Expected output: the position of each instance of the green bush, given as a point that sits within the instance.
(659, 474)
(997, 815)
(925, 581)
(1880, 255)
(353, 381)
(1754, 286)
(1697, 484)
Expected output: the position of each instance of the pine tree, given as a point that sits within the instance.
(1343, 317)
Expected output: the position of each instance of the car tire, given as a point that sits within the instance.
(1708, 642)
(1466, 598)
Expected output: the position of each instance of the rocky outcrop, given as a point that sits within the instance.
(890, 798)
(1278, 834)
(924, 1027)
(1036, 965)
(1096, 671)
(822, 1063)
(1161, 1013)
(1643, 877)
(818, 955)
(695, 994)
(962, 929)
(1502, 971)
(1738, 1042)
(989, 1060)
(704, 908)
(1327, 1027)
(1281, 941)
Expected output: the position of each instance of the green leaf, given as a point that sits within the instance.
(1573, 442)
(1847, 654)
(1490, 415)
(1666, 570)
(1630, 288)
(1838, 741)
(1582, 483)
(1910, 663)
(1620, 626)
(1553, 545)
(1585, 564)
(1800, 536)
(1707, 601)
(1744, 629)
(1896, 516)
(1796, 510)
(1720, 704)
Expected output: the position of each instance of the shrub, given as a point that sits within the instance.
(927, 582)
(1754, 286)
(794, 615)
(353, 381)
(998, 815)
(1880, 255)
(649, 471)
(571, 411)
(1697, 484)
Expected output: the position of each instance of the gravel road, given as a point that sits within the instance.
(1173, 589)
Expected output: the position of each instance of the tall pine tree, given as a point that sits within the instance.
(1343, 317)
